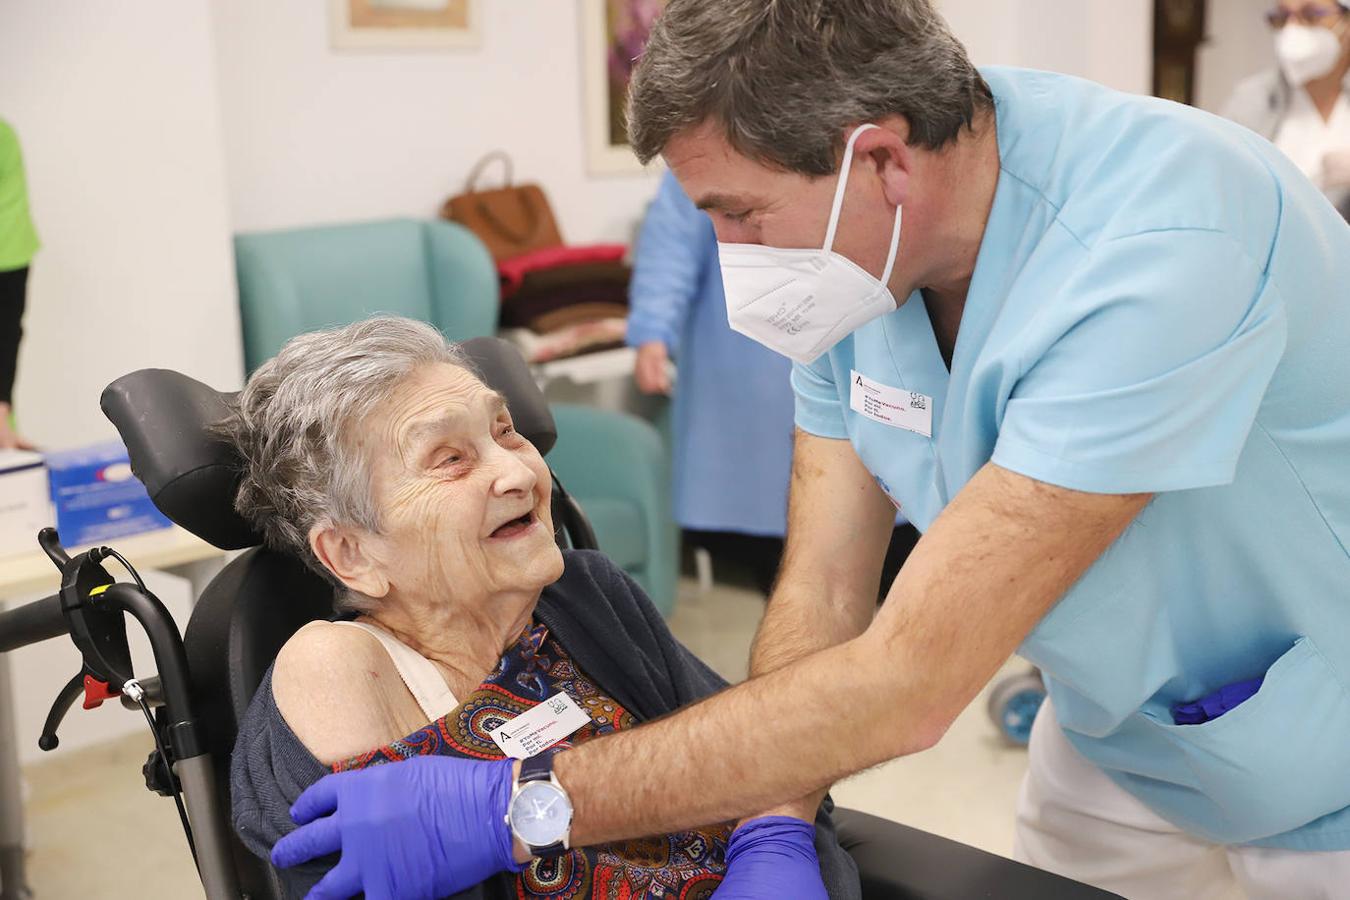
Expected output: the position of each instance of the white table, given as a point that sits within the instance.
(171, 550)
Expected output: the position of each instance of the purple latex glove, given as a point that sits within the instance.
(427, 827)
(772, 857)
(1206, 709)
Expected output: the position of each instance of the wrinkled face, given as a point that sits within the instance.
(463, 499)
(750, 203)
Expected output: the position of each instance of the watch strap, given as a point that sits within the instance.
(537, 768)
(540, 768)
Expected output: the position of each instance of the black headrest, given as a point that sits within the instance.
(165, 420)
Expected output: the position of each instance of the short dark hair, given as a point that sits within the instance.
(786, 78)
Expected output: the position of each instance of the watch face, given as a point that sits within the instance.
(540, 813)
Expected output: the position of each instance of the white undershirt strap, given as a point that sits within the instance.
(423, 679)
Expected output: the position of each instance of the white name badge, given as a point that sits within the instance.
(535, 730)
(888, 405)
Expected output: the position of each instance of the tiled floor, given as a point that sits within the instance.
(97, 833)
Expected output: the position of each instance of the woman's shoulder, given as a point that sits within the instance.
(335, 686)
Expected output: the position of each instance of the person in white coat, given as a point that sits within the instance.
(1303, 105)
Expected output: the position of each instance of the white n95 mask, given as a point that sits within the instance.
(801, 302)
(1306, 52)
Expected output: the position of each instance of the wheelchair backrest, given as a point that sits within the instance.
(261, 598)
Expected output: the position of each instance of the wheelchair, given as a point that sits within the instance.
(207, 675)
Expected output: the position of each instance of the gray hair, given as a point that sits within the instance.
(295, 422)
(784, 79)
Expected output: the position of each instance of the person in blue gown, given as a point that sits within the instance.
(733, 404)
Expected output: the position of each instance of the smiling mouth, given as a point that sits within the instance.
(515, 526)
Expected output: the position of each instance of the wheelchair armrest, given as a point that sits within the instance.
(896, 862)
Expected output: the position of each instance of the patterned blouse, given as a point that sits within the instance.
(688, 865)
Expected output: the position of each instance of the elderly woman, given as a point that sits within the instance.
(376, 454)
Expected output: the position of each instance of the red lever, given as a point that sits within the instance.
(95, 692)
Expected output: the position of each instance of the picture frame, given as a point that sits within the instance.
(613, 33)
(406, 24)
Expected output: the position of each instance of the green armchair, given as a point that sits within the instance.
(295, 281)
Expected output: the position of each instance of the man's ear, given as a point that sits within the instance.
(889, 150)
(346, 553)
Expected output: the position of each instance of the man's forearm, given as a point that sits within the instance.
(839, 523)
(801, 620)
(737, 753)
(984, 574)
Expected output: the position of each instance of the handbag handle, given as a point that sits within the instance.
(471, 183)
(486, 212)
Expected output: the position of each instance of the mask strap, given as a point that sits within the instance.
(839, 203)
(843, 183)
(895, 242)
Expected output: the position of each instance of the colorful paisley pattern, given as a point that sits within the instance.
(687, 865)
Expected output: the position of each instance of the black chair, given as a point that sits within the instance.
(261, 598)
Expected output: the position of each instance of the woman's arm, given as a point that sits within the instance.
(340, 693)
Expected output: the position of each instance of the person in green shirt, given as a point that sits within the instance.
(18, 243)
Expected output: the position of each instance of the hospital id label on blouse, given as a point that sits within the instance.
(892, 406)
(535, 730)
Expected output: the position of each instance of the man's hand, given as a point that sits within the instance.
(9, 438)
(1336, 169)
(772, 857)
(427, 827)
(652, 368)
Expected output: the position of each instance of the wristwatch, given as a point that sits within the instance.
(540, 812)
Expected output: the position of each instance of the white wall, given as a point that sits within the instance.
(317, 135)
(1109, 42)
(1238, 44)
(116, 107)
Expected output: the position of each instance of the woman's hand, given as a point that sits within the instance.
(652, 368)
(426, 827)
(771, 857)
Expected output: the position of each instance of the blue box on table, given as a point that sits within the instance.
(96, 496)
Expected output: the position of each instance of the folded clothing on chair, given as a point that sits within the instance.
(514, 270)
(565, 301)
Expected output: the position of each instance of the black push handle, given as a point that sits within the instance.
(32, 623)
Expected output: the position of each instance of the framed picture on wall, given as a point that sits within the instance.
(613, 35)
(405, 24)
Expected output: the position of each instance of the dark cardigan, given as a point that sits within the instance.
(614, 635)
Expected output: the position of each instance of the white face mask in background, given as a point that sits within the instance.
(801, 302)
(1306, 52)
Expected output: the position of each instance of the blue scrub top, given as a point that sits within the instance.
(1161, 303)
(733, 401)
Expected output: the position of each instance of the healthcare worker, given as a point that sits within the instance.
(1094, 344)
(18, 244)
(1303, 105)
(733, 447)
